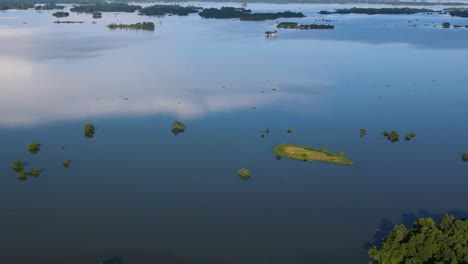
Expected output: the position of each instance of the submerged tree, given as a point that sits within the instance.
(35, 172)
(34, 148)
(22, 176)
(425, 242)
(177, 127)
(88, 130)
(66, 163)
(18, 166)
(244, 173)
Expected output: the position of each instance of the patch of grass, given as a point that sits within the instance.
(310, 154)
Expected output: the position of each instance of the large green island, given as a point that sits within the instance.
(309, 154)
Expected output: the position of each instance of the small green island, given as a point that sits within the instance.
(362, 132)
(49, 7)
(22, 176)
(89, 130)
(34, 148)
(294, 25)
(245, 14)
(465, 157)
(244, 173)
(409, 136)
(61, 14)
(35, 172)
(66, 163)
(105, 7)
(309, 154)
(392, 136)
(18, 166)
(178, 127)
(137, 26)
(161, 10)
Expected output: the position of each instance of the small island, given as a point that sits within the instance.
(22, 176)
(309, 154)
(66, 163)
(244, 173)
(293, 25)
(178, 127)
(409, 136)
(49, 7)
(245, 14)
(97, 14)
(137, 26)
(35, 172)
(362, 132)
(379, 11)
(105, 7)
(161, 10)
(459, 13)
(68, 22)
(392, 136)
(61, 14)
(18, 166)
(465, 157)
(89, 130)
(34, 148)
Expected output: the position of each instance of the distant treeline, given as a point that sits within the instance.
(245, 14)
(378, 11)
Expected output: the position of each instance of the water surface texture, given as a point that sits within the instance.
(135, 193)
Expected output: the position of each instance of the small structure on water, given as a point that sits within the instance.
(270, 34)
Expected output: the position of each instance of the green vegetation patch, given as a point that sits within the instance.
(137, 26)
(425, 242)
(380, 11)
(244, 173)
(22, 176)
(245, 14)
(161, 10)
(409, 136)
(105, 7)
(66, 163)
(60, 14)
(465, 157)
(293, 25)
(34, 147)
(89, 130)
(309, 154)
(35, 172)
(362, 132)
(177, 127)
(18, 166)
(49, 7)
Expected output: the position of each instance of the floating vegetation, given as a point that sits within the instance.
(310, 154)
(66, 163)
(244, 173)
(465, 157)
(89, 130)
(362, 132)
(22, 176)
(137, 26)
(34, 148)
(177, 127)
(380, 11)
(289, 130)
(392, 136)
(105, 7)
(18, 166)
(60, 14)
(35, 172)
(410, 136)
(49, 7)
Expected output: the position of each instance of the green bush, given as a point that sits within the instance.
(244, 173)
(34, 148)
(18, 166)
(66, 163)
(177, 127)
(465, 157)
(21, 176)
(35, 172)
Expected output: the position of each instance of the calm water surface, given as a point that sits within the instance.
(138, 194)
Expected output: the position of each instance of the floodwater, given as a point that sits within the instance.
(135, 193)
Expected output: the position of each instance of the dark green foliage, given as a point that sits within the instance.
(393, 136)
(244, 173)
(465, 157)
(66, 163)
(89, 131)
(410, 136)
(459, 13)
(385, 133)
(35, 172)
(137, 26)
(34, 148)
(293, 25)
(425, 242)
(324, 12)
(278, 157)
(362, 132)
(49, 7)
(18, 166)
(446, 25)
(177, 127)
(161, 10)
(105, 7)
(60, 14)
(289, 130)
(383, 11)
(245, 14)
(22, 5)
(262, 134)
(22, 176)
(97, 14)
